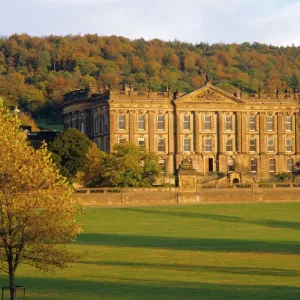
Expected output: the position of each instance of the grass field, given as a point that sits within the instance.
(249, 251)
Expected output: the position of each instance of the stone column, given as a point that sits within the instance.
(196, 132)
(112, 129)
(178, 133)
(280, 131)
(239, 132)
(220, 132)
(131, 127)
(296, 125)
(244, 120)
(262, 130)
(151, 128)
(171, 132)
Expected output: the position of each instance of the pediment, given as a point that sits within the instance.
(208, 94)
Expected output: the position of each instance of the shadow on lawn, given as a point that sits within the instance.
(202, 244)
(216, 217)
(199, 268)
(132, 288)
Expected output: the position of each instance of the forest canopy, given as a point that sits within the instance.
(36, 71)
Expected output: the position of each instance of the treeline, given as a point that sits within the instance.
(36, 71)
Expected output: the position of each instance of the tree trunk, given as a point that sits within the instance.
(11, 273)
(12, 285)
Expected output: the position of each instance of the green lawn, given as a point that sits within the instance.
(249, 251)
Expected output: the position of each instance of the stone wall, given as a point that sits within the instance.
(267, 192)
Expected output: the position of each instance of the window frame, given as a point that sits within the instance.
(272, 165)
(289, 165)
(229, 146)
(288, 148)
(251, 145)
(162, 163)
(269, 145)
(207, 146)
(270, 123)
(101, 123)
(82, 126)
(121, 122)
(163, 145)
(160, 123)
(187, 145)
(186, 122)
(141, 140)
(252, 123)
(141, 120)
(253, 165)
(228, 123)
(207, 122)
(288, 123)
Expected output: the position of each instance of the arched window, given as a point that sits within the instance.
(253, 164)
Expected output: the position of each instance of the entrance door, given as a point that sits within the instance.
(210, 165)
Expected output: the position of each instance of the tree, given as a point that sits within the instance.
(128, 166)
(294, 81)
(36, 205)
(93, 171)
(69, 150)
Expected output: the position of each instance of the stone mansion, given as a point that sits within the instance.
(254, 134)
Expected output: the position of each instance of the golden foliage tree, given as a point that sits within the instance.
(37, 210)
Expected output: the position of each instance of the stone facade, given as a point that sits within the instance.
(255, 135)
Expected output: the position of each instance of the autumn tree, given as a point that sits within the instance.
(127, 166)
(36, 70)
(38, 212)
(69, 150)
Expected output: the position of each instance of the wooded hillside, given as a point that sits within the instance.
(36, 71)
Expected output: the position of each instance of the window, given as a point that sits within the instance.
(101, 123)
(160, 122)
(97, 125)
(186, 122)
(162, 165)
(121, 122)
(229, 144)
(82, 127)
(230, 163)
(289, 165)
(186, 145)
(121, 140)
(228, 123)
(207, 122)
(141, 142)
(288, 145)
(253, 164)
(141, 122)
(207, 145)
(252, 144)
(251, 123)
(161, 145)
(288, 123)
(271, 145)
(272, 165)
(270, 123)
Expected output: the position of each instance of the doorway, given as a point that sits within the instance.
(210, 165)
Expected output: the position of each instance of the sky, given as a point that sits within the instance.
(273, 22)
